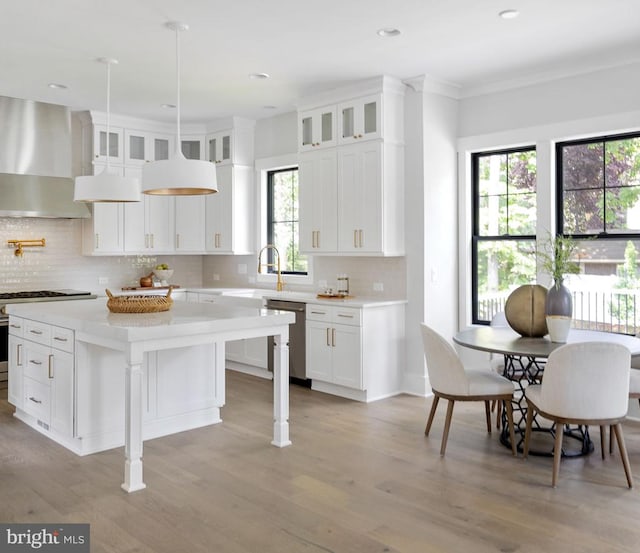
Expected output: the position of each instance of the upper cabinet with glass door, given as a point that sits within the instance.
(116, 135)
(360, 119)
(193, 146)
(142, 147)
(219, 147)
(317, 128)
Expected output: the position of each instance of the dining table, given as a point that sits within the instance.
(524, 361)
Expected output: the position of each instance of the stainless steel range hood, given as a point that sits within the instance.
(35, 161)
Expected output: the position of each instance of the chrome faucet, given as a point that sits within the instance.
(279, 283)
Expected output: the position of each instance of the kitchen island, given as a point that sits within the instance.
(72, 362)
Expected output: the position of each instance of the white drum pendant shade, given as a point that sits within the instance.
(179, 176)
(106, 188)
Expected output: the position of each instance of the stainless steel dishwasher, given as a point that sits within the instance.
(297, 338)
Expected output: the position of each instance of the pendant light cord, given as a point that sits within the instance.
(178, 137)
(108, 111)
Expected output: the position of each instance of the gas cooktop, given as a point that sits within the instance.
(44, 294)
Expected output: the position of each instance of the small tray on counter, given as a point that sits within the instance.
(334, 296)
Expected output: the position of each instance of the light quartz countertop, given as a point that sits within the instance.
(184, 319)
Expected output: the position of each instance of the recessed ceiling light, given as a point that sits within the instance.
(168, 106)
(388, 31)
(57, 86)
(259, 76)
(509, 14)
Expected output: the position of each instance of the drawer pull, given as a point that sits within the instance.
(345, 316)
(59, 339)
(38, 332)
(319, 312)
(35, 362)
(35, 400)
(13, 325)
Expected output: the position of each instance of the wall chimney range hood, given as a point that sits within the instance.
(35, 161)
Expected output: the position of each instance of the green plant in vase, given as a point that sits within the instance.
(557, 258)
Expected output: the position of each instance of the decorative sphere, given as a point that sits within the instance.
(525, 311)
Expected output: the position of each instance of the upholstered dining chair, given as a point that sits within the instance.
(584, 383)
(450, 380)
(496, 363)
(634, 393)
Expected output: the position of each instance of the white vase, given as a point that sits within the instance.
(558, 327)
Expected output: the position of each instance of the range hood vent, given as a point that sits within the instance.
(35, 161)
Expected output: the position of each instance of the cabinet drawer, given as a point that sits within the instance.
(38, 332)
(37, 400)
(16, 326)
(62, 338)
(318, 313)
(36, 362)
(347, 316)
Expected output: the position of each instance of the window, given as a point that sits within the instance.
(504, 227)
(282, 221)
(598, 188)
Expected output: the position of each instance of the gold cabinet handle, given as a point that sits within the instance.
(355, 238)
(51, 365)
(333, 337)
(328, 342)
(19, 355)
(317, 238)
(360, 237)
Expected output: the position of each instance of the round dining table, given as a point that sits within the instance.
(524, 360)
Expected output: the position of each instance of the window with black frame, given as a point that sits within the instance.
(598, 204)
(504, 227)
(282, 221)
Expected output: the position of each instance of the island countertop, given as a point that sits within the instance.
(183, 319)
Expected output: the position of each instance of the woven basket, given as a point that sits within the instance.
(139, 304)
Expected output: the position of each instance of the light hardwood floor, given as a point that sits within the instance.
(358, 478)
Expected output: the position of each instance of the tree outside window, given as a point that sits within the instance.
(503, 250)
(282, 220)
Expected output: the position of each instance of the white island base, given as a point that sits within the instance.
(121, 378)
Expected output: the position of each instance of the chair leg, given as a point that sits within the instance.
(434, 406)
(487, 412)
(557, 453)
(512, 434)
(499, 415)
(610, 440)
(527, 432)
(623, 453)
(603, 435)
(447, 424)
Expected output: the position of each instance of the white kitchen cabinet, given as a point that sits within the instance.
(229, 218)
(317, 128)
(103, 233)
(116, 141)
(219, 147)
(334, 345)
(41, 373)
(356, 206)
(15, 361)
(355, 352)
(193, 146)
(149, 225)
(143, 146)
(360, 119)
(190, 224)
(318, 196)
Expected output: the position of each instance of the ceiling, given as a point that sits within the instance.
(305, 47)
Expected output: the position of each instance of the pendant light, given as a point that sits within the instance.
(105, 187)
(179, 176)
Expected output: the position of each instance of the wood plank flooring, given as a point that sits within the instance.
(358, 478)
